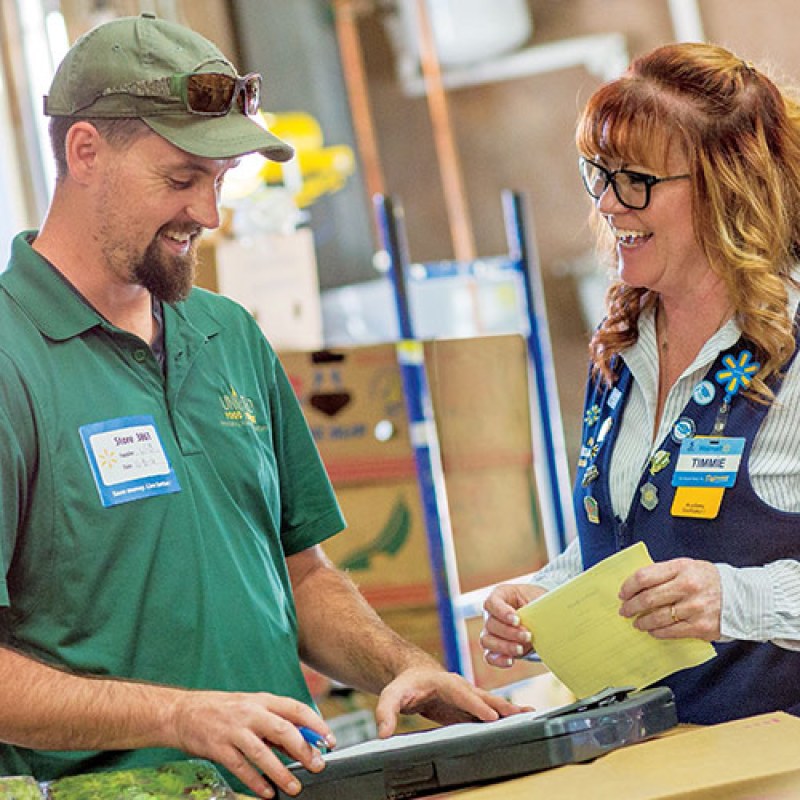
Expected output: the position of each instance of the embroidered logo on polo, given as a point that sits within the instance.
(127, 459)
(237, 409)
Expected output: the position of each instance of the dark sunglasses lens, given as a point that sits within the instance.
(249, 95)
(252, 94)
(210, 93)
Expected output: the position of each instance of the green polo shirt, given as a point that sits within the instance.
(145, 514)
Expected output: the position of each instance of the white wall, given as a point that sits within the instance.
(12, 201)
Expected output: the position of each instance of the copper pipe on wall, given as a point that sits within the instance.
(346, 15)
(449, 165)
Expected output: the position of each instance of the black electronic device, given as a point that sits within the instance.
(414, 764)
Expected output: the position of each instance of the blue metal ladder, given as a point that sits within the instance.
(454, 607)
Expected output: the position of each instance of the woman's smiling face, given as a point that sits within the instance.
(656, 246)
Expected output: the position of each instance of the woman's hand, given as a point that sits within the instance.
(503, 638)
(676, 599)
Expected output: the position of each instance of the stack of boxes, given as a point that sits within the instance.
(353, 401)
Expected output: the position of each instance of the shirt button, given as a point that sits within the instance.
(139, 355)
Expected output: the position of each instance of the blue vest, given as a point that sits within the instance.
(745, 678)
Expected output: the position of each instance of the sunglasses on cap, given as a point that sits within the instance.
(210, 94)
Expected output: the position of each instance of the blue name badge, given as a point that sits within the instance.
(127, 460)
(709, 461)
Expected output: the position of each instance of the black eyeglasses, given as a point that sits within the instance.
(206, 93)
(632, 189)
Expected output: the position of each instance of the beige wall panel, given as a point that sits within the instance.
(763, 32)
(209, 17)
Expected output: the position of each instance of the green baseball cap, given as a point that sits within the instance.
(134, 67)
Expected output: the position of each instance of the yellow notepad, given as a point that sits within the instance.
(580, 636)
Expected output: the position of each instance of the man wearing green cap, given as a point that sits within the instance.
(162, 503)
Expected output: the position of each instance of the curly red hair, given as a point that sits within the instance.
(741, 137)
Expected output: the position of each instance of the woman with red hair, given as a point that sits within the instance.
(691, 435)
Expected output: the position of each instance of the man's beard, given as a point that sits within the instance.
(168, 278)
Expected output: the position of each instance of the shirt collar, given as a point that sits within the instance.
(56, 308)
(44, 294)
(642, 356)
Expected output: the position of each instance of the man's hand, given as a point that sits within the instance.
(676, 599)
(503, 638)
(239, 731)
(441, 696)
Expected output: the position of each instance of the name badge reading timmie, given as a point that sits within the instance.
(127, 460)
(706, 467)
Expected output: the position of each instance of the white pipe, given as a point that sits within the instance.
(605, 55)
(686, 21)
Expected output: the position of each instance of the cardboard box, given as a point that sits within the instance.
(353, 401)
(481, 403)
(384, 548)
(497, 530)
(754, 758)
(479, 393)
(749, 759)
(275, 277)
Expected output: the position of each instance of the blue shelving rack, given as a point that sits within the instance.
(454, 608)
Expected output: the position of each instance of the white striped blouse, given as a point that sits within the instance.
(758, 603)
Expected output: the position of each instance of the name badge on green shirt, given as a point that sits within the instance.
(127, 459)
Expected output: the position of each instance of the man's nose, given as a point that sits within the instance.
(204, 208)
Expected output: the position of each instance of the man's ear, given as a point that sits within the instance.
(82, 145)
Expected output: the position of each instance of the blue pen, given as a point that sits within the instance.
(313, 738)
